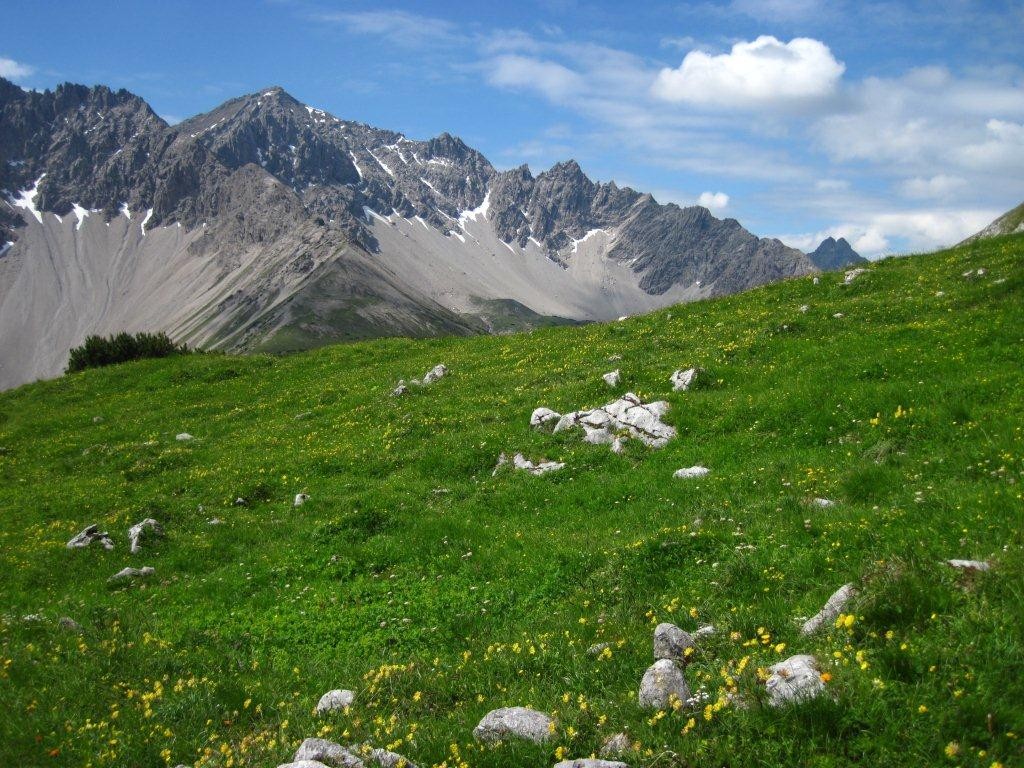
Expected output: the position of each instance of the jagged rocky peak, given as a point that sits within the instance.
(835, 254)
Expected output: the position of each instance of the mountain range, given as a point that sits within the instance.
(267, 224)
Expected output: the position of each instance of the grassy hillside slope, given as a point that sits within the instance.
(439, 592)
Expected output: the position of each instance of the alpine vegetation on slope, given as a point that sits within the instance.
(272, 225)
(419, 607)
(1010, 223)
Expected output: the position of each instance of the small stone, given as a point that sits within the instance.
(305, 764)
(590, 762)
(804, 308)
(133, 573)
(683, 380)
(616, 745)
(970, 565)
(687, 472)
(88, 535)
(707, 630)
(514, 722)
(612, 378)
(327, 753)
(136, 532)
(183, 437)
(661, 684)
(435, 373)
(300, 499)
(400, 390)
(823, 503)
(671, 642)
(97, 419)
(240, 502)
(384, 758)
(816, 280)
(793, 680)
(334, 700)
(597, 648)
(215, 521)
(623, 318)
(614, 358)
(542, 417)
(66, 622)
(830, 612)
(838, 315)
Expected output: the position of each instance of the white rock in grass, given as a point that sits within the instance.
(804, 308)
(439, 371)
(136, 532)
(305, 764)
(831, 610)
(706, 630)
(823, 503)
(542, 417)
(590, 762)
(520, 462)
(400, 390)
(816, 280)
(334, 700)
(133, 573)
(183, 437)
(597, 436)
(616, 745)
(66, 622)
(795, 679)
(514, 723)
(619, 444)
(327, 753)
(662, 683)
(970, 565)
(683, 380)
(88, 535)
(612, 378)
(838, 315)
(300, 499)
(687, 472)
(853, 274)
(671, 642)
(383, 758)
(597, 649)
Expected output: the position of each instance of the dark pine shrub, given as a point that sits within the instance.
(98, 351)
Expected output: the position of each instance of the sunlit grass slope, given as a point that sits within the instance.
(438, 592)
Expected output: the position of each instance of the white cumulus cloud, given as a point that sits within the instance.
(753, 74)
(715, 201)
(554, 80)
(14, 70)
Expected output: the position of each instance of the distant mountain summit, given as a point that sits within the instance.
(1010, 223)
(269, 224)
(834, 254)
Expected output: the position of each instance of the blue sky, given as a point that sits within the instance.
(899, 125)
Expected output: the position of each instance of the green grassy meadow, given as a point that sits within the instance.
(438, 592)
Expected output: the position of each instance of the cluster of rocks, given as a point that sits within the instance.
(628, 415)
(434, 374)
(89, 535)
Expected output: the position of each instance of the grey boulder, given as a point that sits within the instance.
(327, 753)
(88, 536)
(831, 610)
(137, 531)
(542, 417)
(514, 723)
(683, 380)
(339, 698)
(793, 680)
(671, 642)
(661, 684)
